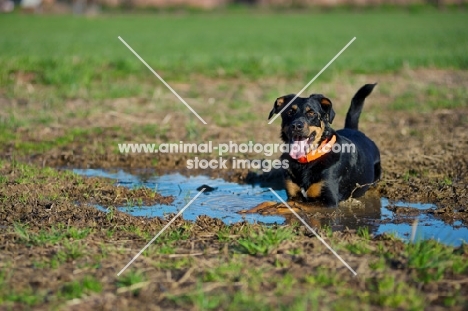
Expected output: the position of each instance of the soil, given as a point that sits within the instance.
(423, 159)
(423, 153)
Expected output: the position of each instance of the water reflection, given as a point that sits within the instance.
(228, 199)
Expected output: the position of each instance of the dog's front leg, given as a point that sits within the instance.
(330, 195)
(293, 190)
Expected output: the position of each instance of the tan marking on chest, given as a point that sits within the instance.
(315, 190)
(291, 188)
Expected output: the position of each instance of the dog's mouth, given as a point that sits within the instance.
(300, 145)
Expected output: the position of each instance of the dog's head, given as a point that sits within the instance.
(305, 122)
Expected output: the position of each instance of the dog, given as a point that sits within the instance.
(317, 171)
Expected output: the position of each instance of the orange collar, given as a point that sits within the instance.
(324, 148)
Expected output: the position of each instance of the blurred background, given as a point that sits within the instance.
(66, 78)
(95, 6)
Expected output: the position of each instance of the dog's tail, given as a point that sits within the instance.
(352, 117)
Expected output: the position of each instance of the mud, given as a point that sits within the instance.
(423, 159)
(423, 153)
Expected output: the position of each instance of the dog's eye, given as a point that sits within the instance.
(291, 112)
(311, 114)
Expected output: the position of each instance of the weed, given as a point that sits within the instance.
(409, 174)
(327, 231)
(21, 231)
(223, 234)
(394, 294)
(447, 181)
(265, 241)
(50, 236)
(130, 278)
(358, 248)
(324, 277)
(364, 233)
(77, 289)
(429, 258)
(378, 265)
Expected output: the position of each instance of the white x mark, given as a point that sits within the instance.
(313, 231)
(162, 80)
(313, 79)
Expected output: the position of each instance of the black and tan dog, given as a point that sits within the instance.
(326, 166)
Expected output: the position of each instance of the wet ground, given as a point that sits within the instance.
(55, 241)
(423, 151)
(58, 251)
(225, 200)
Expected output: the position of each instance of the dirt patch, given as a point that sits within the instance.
(423, 152)
(67, 267)
(40, 198)
(210, 260)
(59, 251)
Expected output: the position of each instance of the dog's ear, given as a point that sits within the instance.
(279, 104)
(328, 109)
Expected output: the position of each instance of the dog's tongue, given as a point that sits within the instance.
(298, 149)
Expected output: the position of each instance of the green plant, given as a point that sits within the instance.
(265, 241)
(130, 278)
(77, 289)
(364, 233)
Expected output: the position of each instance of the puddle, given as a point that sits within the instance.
(222, 203)
(428, 226)
(227, 199)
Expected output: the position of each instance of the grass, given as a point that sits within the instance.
(245, 267)
(431, 260)
(324, 277)
(50, 236)
(429, 97)
(75, 69)
(236, 280)
(57, 188)
(77, 289)
(265, 241)
(230, 272)
(358, 248)
(364, 233)
(79, 62)
(22, 146)
(394, 294)
(130, 278)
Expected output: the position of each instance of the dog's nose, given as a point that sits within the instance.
(297, 126)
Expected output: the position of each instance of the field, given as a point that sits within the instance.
(70, 92)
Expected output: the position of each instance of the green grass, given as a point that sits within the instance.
(364, 233)
(77, 289)
(358, 248)
(82, 57)
(50, 236)
(324, 277)
(22, 146)
(233, 268)
(388, 292)
(55, 69)
(230, 272)
(265, 241)
(130, 278)
(430, 97)
(431, 260)
(425, 262)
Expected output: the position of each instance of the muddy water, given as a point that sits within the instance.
(226, 199)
